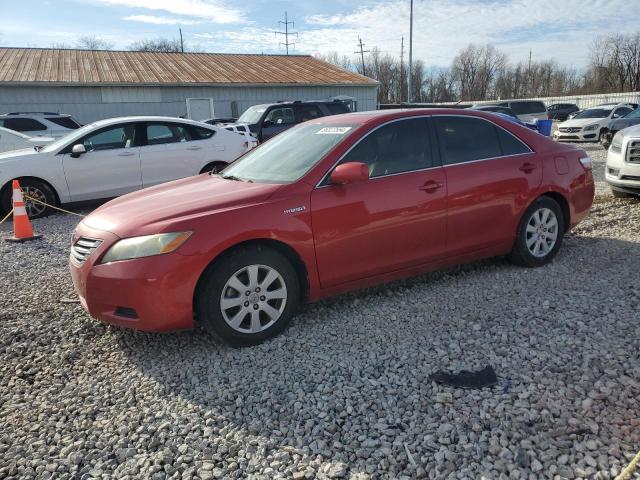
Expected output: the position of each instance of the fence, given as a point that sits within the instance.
(583, 101)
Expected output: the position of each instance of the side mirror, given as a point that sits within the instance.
(267, 123)
(350, 172)
(78, 150)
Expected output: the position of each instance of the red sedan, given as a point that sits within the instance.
(331, 205)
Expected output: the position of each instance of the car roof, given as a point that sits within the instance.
(34, 114)
(111, 121)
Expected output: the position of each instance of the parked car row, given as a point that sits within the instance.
(591, 124)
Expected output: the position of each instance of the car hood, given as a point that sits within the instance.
(17, 154)
(633, 131)
(620, 123)
(582, 122)
(41, 140)
(155, 209)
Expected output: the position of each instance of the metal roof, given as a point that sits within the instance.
(103, 67)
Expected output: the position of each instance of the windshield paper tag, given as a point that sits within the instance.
(333, 131)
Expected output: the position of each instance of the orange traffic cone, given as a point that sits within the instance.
(22, 230)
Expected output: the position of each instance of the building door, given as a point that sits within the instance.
(199, 108)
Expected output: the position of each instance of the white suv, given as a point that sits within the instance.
(623, 163)
(42, 124)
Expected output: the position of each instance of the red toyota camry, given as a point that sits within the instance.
(329, 206)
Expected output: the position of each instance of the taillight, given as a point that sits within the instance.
(586, 162)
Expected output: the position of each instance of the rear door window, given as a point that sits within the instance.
(465, 139)
(337, 108)
(308, 112)
(160, 133)
(510, 144)
(24, 125)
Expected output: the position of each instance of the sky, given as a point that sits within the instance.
(561, 30)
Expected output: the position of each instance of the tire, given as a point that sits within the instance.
(533, 247)
(603, 138)
(619, 194)
(247, 317)
(213, 167)
(36, 189)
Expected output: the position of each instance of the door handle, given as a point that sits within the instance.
(126, 154)
(527, 167)
(431, 186)
(195, 147)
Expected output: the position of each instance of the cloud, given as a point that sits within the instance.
(161, 20)
(214, 11)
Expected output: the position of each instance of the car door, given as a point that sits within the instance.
(394, 220)
(171, 151)
(277, 120)
(490, 178)
(307, 112)
(109, 168)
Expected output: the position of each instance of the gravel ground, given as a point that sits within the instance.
(344, 393)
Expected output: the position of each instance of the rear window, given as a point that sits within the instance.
(66, 122)
(23, 125)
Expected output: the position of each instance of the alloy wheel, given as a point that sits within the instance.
(33, 208)
(253, 298)
(542, 232)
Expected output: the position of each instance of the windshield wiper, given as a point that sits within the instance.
(236, 179)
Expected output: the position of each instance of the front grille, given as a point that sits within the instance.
(83, 247)
(633, 152)
(569, 129)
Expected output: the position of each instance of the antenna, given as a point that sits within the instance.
(286, 32)
(362, 52)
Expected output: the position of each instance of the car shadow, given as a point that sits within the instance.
(355, 369)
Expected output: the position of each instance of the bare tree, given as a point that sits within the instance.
(93, 43)
(342, 61)
(157, 45)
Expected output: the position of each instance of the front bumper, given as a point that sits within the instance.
(150, 294)
(622, 175)
(580, 136)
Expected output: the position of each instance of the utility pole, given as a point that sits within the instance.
(286, 32)
(181, 41)
(410, 53)
(362, 52)
(529, 82)
(401, 65)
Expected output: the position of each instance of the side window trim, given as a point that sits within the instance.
(436, 159)
(495, 125)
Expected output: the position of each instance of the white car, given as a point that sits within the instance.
(112, 157)
(590, 125)
(242, 129)
(45, 124)
(11, 140)
(622, 171)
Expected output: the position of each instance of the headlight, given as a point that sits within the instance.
(146, 246)
(616, 143)
(591, 127)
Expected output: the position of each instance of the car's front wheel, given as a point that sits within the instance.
(604, 138)
(539, 234)
(37, 195)
(248, 295)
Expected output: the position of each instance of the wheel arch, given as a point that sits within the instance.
(7, 186)
(210, 164)
(561, 200)
(281, 247)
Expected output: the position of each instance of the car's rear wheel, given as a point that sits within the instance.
(36, 194)
(248, 295)
(539, 234)
(213, 167)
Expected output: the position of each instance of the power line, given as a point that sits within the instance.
(362, 52)
(286, 32)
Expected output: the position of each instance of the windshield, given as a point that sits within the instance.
(288, 156)
(62, 141)
(252, 114)
(594, 113)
